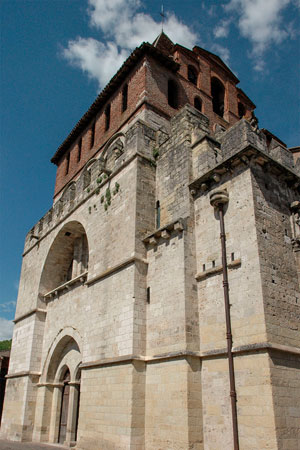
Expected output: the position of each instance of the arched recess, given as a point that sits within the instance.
(113, 149)
(67, 258)
(218, 96)
(86, 174)
(69, 192)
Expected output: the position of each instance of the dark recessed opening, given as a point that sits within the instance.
(192, 75)
(67, 233)
(218, 94)
(124, 97)
(172, 94)
(198, 103)
(107, 117)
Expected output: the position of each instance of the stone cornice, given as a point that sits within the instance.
(110, 270)
(183, 354)
(29, 313)
(246, 156)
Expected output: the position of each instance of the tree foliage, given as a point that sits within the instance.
(5, 345)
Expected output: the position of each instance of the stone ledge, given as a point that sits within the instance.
(30, 313)
(182, 354)
(66, 285)
(115, 268)
(215, 270)
(24, 373)
(164, 232)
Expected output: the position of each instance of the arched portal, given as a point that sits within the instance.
(59, 392)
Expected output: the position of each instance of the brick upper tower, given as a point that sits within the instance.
(162, 77)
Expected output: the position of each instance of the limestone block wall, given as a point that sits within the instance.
(173, 405)
(112, 407)
(285, 376)
(166, 308)
(174, 167)
(278, 263)
(247, 312)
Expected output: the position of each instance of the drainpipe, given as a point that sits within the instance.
(218, 199)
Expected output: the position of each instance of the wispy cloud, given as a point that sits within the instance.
(222, 29)
(122, 32)
(6, 329)
(261, 22)
(8, 306)
(221, 51)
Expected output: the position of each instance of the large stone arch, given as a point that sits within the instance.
(67, 258)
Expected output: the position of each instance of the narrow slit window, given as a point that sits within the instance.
(124, 97)
(172, 94)
(67, 163)
(241, 110)
(148, 295)
(107, 117)
(157, 214)
(192, 75)
(198, 103)
(218, 95)
(93, 135)
(79, 150)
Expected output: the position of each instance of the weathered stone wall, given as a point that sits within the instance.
(277, 261)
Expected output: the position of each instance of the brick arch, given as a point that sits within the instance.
(67, 258)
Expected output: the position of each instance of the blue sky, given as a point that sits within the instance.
(56, 55)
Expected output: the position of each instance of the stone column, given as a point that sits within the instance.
(72, 412)
(55, 412)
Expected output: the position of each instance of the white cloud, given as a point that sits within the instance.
(99, 61)
(124, 28)
(8, 306)
(222, 30)
(222, 52)
(261, 22)
(6, 329)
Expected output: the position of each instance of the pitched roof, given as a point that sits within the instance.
(118, 78)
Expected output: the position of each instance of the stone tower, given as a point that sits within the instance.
(137, 327)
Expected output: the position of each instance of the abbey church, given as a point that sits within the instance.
(159, 304)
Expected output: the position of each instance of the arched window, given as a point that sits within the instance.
(107, 117)
(218, 94)
(241, 110)
(192, 75)
(67, 257)
(172, 94)
(124, 97)
(198, 103)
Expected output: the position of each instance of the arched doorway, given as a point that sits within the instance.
(57, 409)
